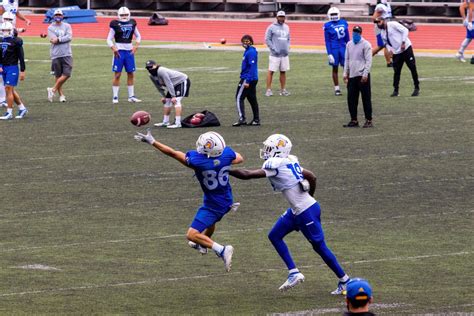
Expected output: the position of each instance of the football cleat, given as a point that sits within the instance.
(351, 124)
(416, 92)
(174, 126)
(162, 124)
(368, 124)
(337, 93)
(115, 100)
(254, 123)
(21, 113)
(293, 280)
(50, 94)
(62, 98)
(285, 93)
(133, 99)
(226, 256)
(395, 93)
(3, 104)
(341, 288)
(459, 56)
(6, 116)
(201, 249)
(268, 93)
(240, 123)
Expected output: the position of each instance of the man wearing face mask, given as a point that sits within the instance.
(247, 87)
(358, 61)
(60, 37)
(395, 38)
(384, 10)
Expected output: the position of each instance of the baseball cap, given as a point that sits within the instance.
(358, 290)
(357, 29)
(281, 13)
(58, 12)
(150, 63)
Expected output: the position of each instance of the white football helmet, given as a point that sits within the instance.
(7, 29)
(334, 14)
(8, 17)
(211, 144)
(276, 145)
(124, 14)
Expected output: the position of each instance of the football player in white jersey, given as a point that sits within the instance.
(297, 186)
(12, 7)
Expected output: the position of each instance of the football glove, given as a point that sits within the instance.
(304, 184)
(469, 26)
(148, 138)
(235, 206)
(331, 59)
(465, 22)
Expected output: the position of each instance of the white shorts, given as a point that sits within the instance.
(279, 63)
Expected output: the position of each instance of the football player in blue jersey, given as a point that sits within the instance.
(465, 9)
(336, 36)
(211, 163)
(297, 186)
(121, 32)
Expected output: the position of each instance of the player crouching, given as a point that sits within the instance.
(12, 54)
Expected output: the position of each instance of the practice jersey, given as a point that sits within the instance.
(122, 33)
(285, 175)
(10, 7)
(12, 52)
(336, 34)
(213, 176)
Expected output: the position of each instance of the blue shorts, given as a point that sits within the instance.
(126, 59)
(10, 75)
(206, 217)
(308, 222)
(338, 54)
(469, 34)
(380, 42)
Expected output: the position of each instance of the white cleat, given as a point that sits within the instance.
(115, 100)
(268, 93)
(21, 113)
(341, 288)
(460, 57)
(3, 104)
(50, 94)
(6, 116)
(293, 280)
(201, 249)
(134, 100)
(285, 93)
(62, 98)
(174, 126)
(226, 256)
(162, 124)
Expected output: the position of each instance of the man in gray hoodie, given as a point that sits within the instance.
(277, 38)
(60, 37)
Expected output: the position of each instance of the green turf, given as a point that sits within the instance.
(80, 195)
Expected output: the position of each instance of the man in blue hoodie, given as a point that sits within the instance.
(247, 87)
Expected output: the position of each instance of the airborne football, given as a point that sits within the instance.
(140, 118)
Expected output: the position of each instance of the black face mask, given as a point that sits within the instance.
(153, 72)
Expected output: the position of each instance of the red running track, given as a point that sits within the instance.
(428, 36)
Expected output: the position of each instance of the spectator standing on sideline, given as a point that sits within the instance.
(173, 87)
(336, 36)
(9, 59)
(60, 37)
(277, 38)
(358, 298)
(384, 10)
(395, 36)
(467, 22)
(122, 31)
(247, 87)
(358, 61)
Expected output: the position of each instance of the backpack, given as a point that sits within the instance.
(210, 119)
(157, 19)
(409, 24)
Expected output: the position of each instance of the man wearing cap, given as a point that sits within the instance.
(358, 61)
(173, 87)
(384, 10)
(358, 297)
(395, 37)
(277, 38)
(60, 37)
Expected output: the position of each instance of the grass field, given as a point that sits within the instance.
(107, 215)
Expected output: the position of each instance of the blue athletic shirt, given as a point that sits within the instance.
(249, 70)
(336, 35)
(213, 175)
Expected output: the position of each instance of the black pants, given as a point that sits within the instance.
(251, 94)
(398, 61)
(354, 87)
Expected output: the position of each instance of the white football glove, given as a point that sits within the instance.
(148, 138)
(465, 22)
(235, 207)
(469, 26)
(331, 59)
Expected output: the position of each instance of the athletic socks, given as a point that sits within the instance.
(21, 107)
(217, 248)
(166, 118)
(115, 90)
(344, 279)
(464, 45)
(177, 120)
(336, 88)
(131, 91)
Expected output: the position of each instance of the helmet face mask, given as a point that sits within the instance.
(123, 14)
(210, 144)
(276, 145)
(8, 17)
(334, 14)
(7, 29)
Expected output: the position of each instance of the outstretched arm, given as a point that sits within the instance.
(247, 174)
(308, 175)
(165, 149)
(238, 159)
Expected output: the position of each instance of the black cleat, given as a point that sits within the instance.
(255, 123)
(240, 123)
(368, 124)
(351, 124)
(416, 92)
(337, 93)
(390, 65)
(395, 93)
